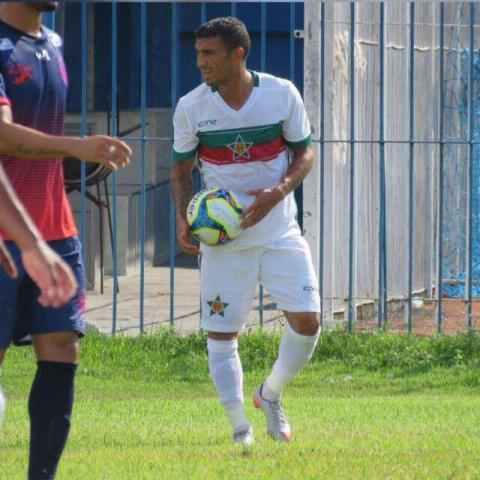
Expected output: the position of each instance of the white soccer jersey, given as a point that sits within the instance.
(245, 149)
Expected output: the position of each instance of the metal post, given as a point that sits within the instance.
(143, 122)
(382, 258)
(411, 164)
(292, 42)
(440, 172)
(321, 229)
(263, 58)
(113, 130)
(469, 200)
(172, 223)
(83, 126)
(352, 304)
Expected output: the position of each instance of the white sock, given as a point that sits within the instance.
(294, 353)
(227, 375)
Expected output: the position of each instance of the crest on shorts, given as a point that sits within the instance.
(217, 307)
(240, 148)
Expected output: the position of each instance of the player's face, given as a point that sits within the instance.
(214, 61)
(44, 6)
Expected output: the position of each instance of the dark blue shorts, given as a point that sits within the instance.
(20, 313)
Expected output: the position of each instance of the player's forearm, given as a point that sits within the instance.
(20, 141)
(182, 190)
(301, 165)
(14, 219)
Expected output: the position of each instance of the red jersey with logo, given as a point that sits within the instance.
(33, 81)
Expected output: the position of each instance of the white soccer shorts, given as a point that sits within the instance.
(229, 276)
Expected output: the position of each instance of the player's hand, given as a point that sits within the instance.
(108, 151)
(6, 261)
(185, 238)
(52, 275)
(265, 200)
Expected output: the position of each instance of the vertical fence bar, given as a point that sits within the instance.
(263, 58)
(382, 281)
(469, 200)
(292, 43)
(233, 9)
(322, 159)
(172, 223)
(203, 19)
(83, 124)
(411, 164)
(143, 121)
(263, 36)
(113, 131)
(351, 247)
(49, 19)
(439, 286)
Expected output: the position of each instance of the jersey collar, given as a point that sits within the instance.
(255, 76)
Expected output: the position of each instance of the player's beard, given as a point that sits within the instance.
(44, 6)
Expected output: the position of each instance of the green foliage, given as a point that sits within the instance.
(375, 351)
(146, 357)
(168, 354)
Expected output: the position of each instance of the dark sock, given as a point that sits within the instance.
(50, 408)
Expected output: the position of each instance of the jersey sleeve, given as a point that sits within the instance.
(185, 141)
(296, 128)
(4, 100)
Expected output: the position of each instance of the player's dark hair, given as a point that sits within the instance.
(231, 30)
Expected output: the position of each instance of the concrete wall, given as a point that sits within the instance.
(157, 168)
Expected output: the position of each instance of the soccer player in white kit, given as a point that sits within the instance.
(250, 134)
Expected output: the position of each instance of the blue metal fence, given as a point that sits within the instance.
(145, 61)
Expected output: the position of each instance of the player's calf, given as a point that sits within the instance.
(50, 407)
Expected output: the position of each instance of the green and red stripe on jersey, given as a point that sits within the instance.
(253, 144)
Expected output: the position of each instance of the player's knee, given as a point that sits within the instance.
(66, 352)
(59, 349)
(304, 323)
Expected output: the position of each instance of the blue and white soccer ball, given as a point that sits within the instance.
(214, 216)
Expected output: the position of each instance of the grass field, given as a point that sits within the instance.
(367, 407)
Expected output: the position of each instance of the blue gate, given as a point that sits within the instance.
(386, 224)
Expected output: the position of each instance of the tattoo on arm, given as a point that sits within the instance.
(21, 151)
(298, 169)
(182, 190)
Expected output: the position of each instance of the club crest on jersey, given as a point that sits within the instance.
(240, 148)
(217, 307)
(21, 74)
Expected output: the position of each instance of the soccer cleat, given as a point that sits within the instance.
(277, 424)
(244, 438)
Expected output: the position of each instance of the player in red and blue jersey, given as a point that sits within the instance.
(50, 273)
(33, 85)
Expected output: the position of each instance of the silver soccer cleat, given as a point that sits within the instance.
(277, 424)
(244, 438)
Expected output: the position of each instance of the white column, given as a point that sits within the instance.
(311, 94)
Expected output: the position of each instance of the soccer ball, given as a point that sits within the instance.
(214, 216)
